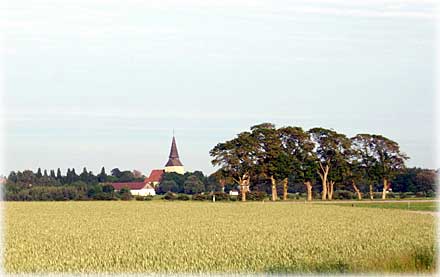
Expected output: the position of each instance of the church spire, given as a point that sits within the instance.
(174, 155)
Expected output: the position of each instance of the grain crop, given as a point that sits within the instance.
(192, 237)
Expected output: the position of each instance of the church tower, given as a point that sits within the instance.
(174, 164)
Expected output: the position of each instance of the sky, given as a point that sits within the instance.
(104, 83)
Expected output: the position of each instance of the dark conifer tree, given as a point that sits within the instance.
(68, 176)
(12, 177)
(102, 177)
(59, 176)
(74, 176)
(84, 176)
(39, 175)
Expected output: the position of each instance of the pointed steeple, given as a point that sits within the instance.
(174, 155)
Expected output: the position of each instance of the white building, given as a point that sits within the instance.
(136, 188)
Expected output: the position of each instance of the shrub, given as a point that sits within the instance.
(139, 198)
(377, 195)
(391, 195)
(430, 193)
(255, 196)
(221, 196)
(183, 197)
(104, 196)
(420, 194)
(148, 198)
(343, 194)
(293, 196)
(407, 195)
(199, 197)
(170, 196)
(125, 194)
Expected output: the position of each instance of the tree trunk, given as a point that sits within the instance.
(309, 190)
(385, 188)
(323, 174)
(244, 186)
(371, 192)
(243, 194)
(356, 189)
(274, 188)
(285, 183)
(330, 189)
(222, 184)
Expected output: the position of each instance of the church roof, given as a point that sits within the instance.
(155, 176)
(174, 155)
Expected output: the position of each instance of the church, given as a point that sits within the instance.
(148, 186)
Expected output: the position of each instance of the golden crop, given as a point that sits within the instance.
(170, 237)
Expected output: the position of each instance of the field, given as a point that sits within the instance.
(430, 206)
(190, 237)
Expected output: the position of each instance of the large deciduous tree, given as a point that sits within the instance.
(381, 157)
(221, 178)
(355, 173)
(237, 158)
(332, 150)
(299, 151)
(271, 161)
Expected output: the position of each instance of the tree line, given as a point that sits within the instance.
(50, 185)
(320, 159)
(43, 185)
(263, 161)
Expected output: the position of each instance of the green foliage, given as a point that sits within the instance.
(236, 157)
(221, 196)
(102, 177)
(143, 198)
(148, 197)
(183, 197)
(255, 196)
(193, 185)
(200, 197)
(379, 156)
(296, 196)
(108, 188)
(166, 186)
(108, 196)
(46, 193)
(170, 196)
(126, 176)
(125, 194)
(344, 194)
(262, 152)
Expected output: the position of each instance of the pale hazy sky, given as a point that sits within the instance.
(103, 83)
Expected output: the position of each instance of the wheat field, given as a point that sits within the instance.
(192, 237)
